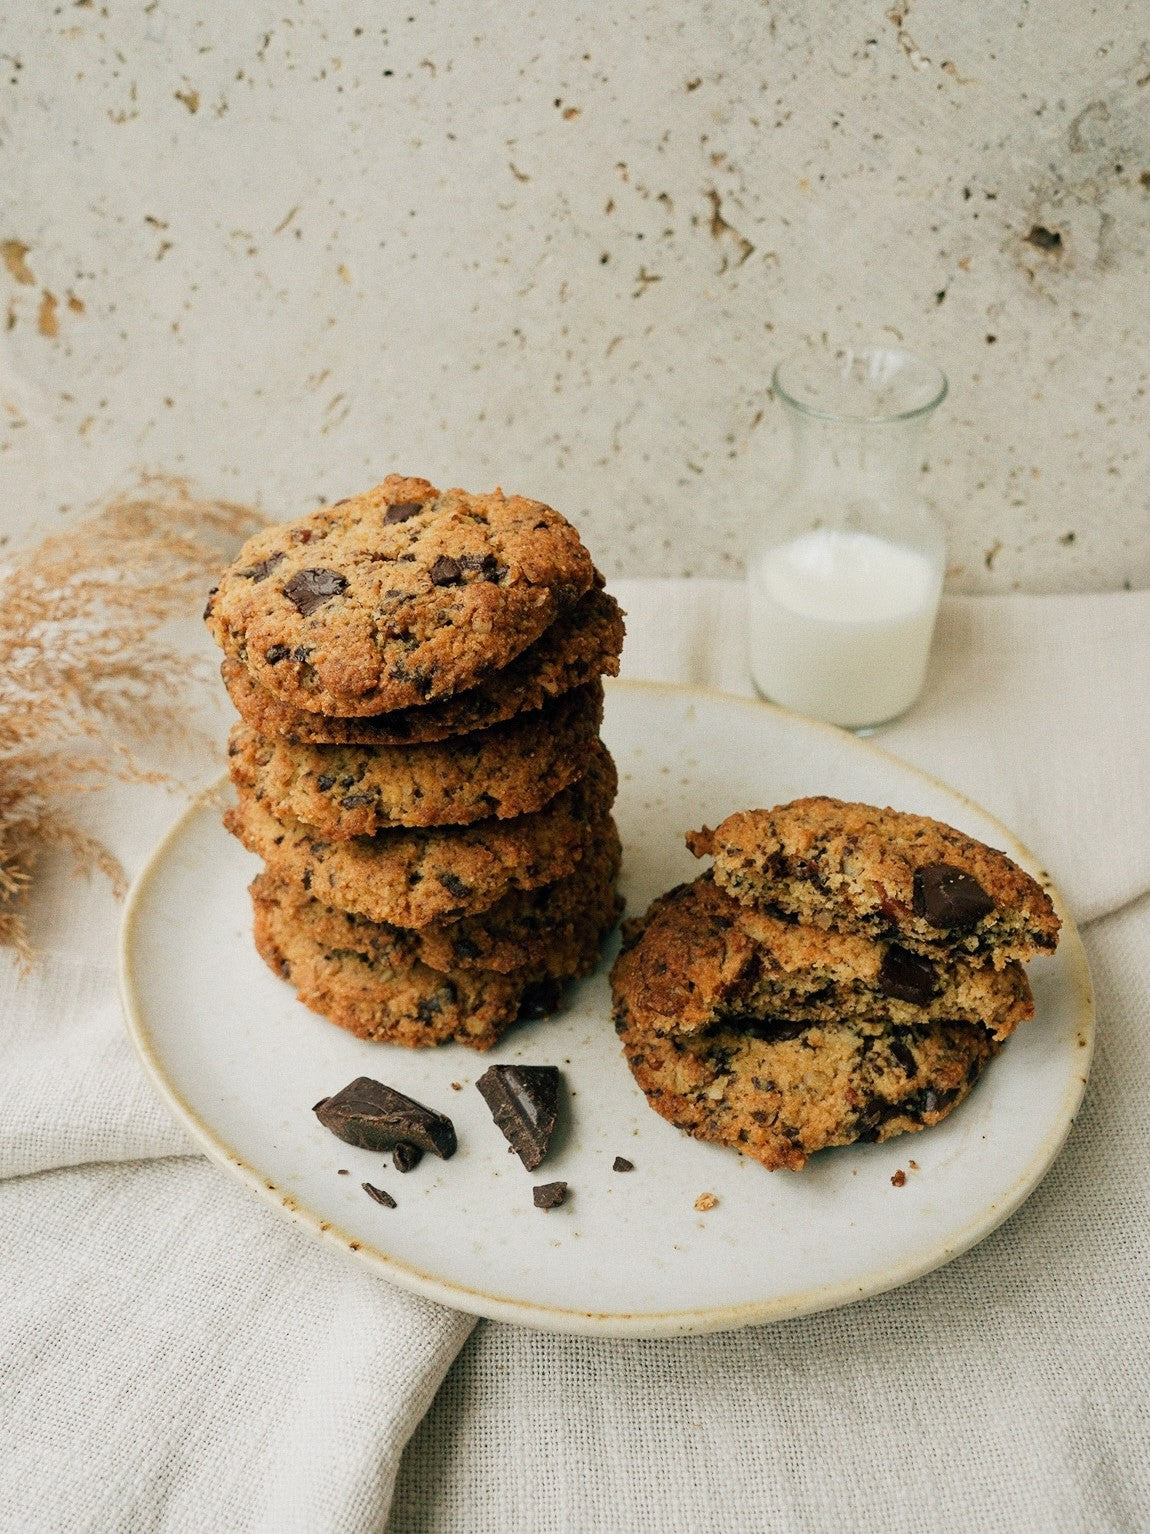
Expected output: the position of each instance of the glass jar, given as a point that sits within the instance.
(844, 579)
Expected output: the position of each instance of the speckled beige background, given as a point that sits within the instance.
(285, 248)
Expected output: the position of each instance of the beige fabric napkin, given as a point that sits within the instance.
(1009, 1390)
(175, 1357)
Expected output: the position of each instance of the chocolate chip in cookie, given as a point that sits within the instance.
(907, 976)
(946, 896)
(310, 589)
(401, 511)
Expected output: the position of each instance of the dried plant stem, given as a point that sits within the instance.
(85, 676)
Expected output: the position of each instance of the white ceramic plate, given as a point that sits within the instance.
(241, 1062)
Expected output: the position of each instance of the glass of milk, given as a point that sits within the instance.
(844, 580)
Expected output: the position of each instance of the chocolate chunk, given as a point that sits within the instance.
(406, 1156)
(402, 510)
(431, 1006)
(324, 782)
(549, 1195)
(446, 571)
(454, 885)
(276, 653)
(486, 566)
(211, 602)
(356, 801)
(946, 896)
(907, 976)
(342, 1172)
(524, 1102)
(309, 589)
(621, 1164)
(539, 999)
(375, 1117)
(265, 567)
(903, 1053)
(379, 1195)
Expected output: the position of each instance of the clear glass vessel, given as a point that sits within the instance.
(844, 577)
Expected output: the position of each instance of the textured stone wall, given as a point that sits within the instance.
(285, 248)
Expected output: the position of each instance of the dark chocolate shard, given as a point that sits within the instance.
(946, 896)
(524, 1102)
(377, 1118)
(907, 976)
(549, 1195)
(379, 1195)
(309, 589)
(402, 510)
(621, 1164)
(406, 1156)
(446, 571)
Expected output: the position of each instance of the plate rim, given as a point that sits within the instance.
(646, 1324)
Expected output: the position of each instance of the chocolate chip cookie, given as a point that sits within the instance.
(698, 961)
(343, 791)
(882, 873)
(779, 1099)
(392, 996)
(578, 647)
(411, 877)
(553, 931)
(396, 597)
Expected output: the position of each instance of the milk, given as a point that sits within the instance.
(840, 624)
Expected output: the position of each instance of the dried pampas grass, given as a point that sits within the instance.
(86, 675)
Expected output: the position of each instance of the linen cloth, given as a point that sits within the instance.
(174, 1356)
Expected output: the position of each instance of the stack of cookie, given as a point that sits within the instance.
(843, 973)
(418, 762)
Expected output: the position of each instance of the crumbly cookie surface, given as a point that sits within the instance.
(396, 597)
(411, 877)
(511, 769)
(883, 873)
(391, 996)
(576, 649)
(554, 931)
(780, 1100)
(700, 960)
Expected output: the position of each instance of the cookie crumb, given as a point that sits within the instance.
(899, 1179)
(621, 1164)
(913, 1165)
(457, 1086)
(705, 1201)
(343, 1172)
